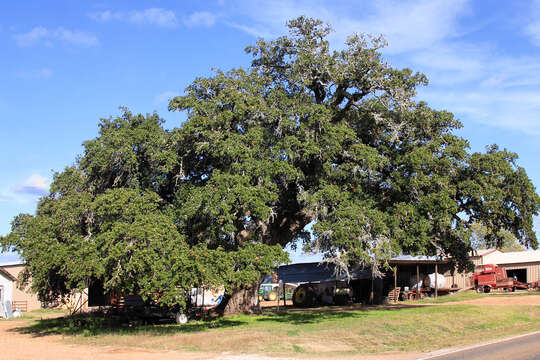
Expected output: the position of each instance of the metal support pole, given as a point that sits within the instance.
(371, 294)
(436, 277)
(395, 285)
(202, 305)
(417, 282)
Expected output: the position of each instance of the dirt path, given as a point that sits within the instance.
(504, 300)
(17, 346)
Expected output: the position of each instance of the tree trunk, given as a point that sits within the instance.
(244, 299)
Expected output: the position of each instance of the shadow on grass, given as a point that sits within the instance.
(311, 316)
(94, 324)
(99, 324)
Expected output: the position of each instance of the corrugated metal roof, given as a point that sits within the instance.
(484, 252)
(515, 257)
(315, 272)
(404, 258)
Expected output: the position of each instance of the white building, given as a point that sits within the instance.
(6, 291)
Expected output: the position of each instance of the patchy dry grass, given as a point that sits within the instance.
(310, 333)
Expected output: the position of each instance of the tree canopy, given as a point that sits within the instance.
(305, 135)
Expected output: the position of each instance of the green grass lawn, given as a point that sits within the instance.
(310, 333)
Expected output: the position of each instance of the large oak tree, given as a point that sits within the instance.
(305, 135)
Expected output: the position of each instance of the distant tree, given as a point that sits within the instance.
(305, 135)
(507, 243)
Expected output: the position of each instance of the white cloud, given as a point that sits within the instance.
(36, 35)
(480, 84)
(43, 73)
(46, 36)
(200, 18)
(34, 185)
(408, 25)
(253, 30)
(27, 191)
(153, 16)
(477, 80)
(164, 97)
(532, 29)
(513, 110)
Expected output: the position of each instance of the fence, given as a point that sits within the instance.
(22, 306)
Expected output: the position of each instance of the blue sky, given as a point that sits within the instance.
(65, 65)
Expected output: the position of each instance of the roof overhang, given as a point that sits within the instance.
(7, 275)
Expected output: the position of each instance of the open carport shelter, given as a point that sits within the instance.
(409, 270)
(366, 288)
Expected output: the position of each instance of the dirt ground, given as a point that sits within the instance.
(504, 300)
(17, 346)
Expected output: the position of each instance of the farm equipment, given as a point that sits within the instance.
(133, 307)
(268, 292)
(322, 293)
(489, 277)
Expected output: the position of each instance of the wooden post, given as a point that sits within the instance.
(371, 294)
(395, 284)
(417, 282)
(436, 276)
(284, 297)
(278, 291)
(202, 305)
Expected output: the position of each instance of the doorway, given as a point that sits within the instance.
(519, 274)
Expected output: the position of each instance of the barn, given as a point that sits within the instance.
(524, 265)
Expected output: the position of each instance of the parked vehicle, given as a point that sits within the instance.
(268, 292)
(322, 293)
(133, 307)
(490, 276)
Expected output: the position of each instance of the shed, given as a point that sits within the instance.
(6, 291)
(319, 272)
(409, 270)
(365, 288)
(21, 299)
(524, 265)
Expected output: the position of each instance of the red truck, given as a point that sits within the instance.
(491, 276)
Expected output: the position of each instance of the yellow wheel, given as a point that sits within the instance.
(272, 296)
(303, 296)
(260, 298)
(300, 295)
